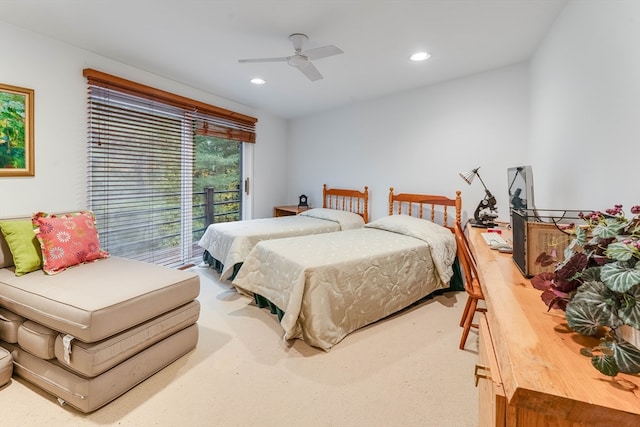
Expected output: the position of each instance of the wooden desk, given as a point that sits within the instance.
(546, 382)
(287, 210)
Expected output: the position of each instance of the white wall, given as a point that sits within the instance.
(418, 141)
(573, 114)
(54, 71)
(269, 184)
(585, 115)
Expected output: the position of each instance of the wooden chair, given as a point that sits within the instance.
(471, 284)
(459, 232)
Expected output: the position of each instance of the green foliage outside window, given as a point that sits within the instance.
(217, 165)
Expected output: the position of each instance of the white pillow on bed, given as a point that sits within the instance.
(410, 226)
(347, 220)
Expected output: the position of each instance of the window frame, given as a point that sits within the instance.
(195, 117)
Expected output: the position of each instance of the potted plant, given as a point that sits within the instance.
(598, 286)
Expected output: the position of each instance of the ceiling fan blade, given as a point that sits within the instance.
(322, 52)
(278, 59)
(309, 70)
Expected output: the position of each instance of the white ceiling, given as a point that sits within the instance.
(198, 42)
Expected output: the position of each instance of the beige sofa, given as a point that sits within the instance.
(91, 333)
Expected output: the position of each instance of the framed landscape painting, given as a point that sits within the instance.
(16, 131)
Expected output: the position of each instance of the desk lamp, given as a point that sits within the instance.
(486, 212)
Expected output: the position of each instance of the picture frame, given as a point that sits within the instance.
(16, 131)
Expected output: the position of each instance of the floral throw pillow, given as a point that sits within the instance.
(67, 240)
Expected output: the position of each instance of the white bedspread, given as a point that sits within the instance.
(231, 242)
(329, 285)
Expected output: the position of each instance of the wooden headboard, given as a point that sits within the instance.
(347, 200)
(408, 203)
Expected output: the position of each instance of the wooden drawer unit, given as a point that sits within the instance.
(493, 403)
(531, 372)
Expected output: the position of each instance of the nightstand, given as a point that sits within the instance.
(288, 210)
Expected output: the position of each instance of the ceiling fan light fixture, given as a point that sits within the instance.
(420, 56)
(297, 60)
(258, 81)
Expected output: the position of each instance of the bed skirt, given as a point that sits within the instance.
(218, 266)
(263, 302)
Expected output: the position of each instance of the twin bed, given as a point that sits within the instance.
(328, 285)
(228, 244)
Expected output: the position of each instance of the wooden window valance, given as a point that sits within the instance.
(222, 123)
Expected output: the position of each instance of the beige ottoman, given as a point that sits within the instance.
(6, 366)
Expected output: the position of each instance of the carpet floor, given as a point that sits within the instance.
(405, 370)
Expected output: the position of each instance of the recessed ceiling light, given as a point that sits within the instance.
(258, 81)
(420, 56)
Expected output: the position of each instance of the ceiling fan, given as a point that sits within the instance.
(301, 59)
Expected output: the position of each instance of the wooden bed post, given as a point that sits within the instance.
(366, 204)
(324, 195)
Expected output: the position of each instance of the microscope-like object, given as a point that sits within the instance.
(486, 212)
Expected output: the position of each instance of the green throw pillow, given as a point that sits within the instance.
(24, 245)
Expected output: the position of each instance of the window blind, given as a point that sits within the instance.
(140, 165)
